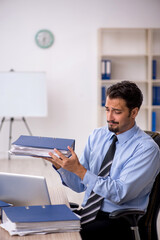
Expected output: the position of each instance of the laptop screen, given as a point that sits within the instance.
(23, 190)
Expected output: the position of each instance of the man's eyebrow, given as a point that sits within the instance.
(114, 109)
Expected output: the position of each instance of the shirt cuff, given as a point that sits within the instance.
(89, 180)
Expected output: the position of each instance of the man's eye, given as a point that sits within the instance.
(118, 112)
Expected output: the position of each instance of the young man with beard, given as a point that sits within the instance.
(136, 163)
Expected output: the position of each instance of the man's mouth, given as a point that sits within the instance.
(112, 122)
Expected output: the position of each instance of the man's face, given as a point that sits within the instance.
(119, 118)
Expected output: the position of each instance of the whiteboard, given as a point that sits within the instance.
(23, 94)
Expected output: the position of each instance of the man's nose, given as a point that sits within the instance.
(110, 116)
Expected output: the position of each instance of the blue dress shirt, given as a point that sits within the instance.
(135, 166)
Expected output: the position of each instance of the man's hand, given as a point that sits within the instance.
(71, 164)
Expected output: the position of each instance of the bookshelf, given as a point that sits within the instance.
(131, 53)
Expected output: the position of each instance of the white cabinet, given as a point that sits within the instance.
(131, 53)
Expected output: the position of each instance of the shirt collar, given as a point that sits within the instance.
(123, 137)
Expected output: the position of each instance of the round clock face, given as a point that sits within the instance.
(44, 38)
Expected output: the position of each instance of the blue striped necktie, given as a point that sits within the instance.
(94, 202)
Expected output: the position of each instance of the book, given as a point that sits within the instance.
(39, 220)
(41, 146)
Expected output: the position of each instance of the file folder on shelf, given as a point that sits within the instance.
(41, 146)
(39, 220)
(106, 69)
(153, 121)
(156, 95)
(154, 69)
(103, 96)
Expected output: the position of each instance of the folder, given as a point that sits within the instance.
(153, 121)
(103, 96)
(41, 146)
(39, 219)
(154, 69)
(105, 69)
(108, 69)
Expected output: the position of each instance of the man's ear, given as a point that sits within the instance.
(134, 112)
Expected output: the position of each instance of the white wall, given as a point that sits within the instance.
(71, 63)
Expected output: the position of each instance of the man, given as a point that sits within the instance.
(136, 163)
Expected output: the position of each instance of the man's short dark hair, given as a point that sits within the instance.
(128, 91)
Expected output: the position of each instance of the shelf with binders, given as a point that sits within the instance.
(130, 54)
(124, 68)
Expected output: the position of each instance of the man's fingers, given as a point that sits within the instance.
(55, 159)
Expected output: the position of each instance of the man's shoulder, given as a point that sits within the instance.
(146, 139)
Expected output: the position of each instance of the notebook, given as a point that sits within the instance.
(23, 190)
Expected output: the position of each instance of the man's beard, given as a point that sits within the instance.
(115, 130)
(112, 128)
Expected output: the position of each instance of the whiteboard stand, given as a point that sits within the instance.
(22, 94)
(11, 120)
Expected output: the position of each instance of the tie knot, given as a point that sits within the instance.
(115, 139)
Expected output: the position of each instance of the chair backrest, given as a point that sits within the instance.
(148, 223)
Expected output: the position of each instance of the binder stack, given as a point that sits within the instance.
(41, 146)
(39, 220)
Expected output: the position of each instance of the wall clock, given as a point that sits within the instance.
(44, 38)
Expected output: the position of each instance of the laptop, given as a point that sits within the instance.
(23, 190)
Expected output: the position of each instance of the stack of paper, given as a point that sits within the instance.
(41, 146)
(39, 220)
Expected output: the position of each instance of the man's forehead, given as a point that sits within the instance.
(116, 103)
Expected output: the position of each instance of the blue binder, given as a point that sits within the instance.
(154, 69)
(47, 213)
(153, 121)
(41, 146)
(44, 142)
(156, 95)
(106, 69)
(103, 96)
(4, 204)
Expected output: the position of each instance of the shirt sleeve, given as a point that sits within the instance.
(70, 179)
(135, 178)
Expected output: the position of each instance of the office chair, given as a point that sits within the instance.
(144, 224)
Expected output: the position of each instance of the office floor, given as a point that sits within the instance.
(34, 166)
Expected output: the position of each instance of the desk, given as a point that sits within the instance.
(56, 191)
(60, 194)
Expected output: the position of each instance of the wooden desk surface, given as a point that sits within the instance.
(56, 190)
